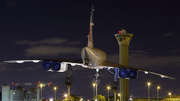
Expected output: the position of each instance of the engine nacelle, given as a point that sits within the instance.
(54, 66)
(46, 65)
(64, 67)
(132, 74)
(128, 73)
(123, 73)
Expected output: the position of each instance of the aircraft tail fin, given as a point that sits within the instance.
(90, 36)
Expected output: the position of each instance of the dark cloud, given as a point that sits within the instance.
(51, 41)
(43, 48)
(51, 50)
(74, 43)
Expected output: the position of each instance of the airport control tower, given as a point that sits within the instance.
(123, 39)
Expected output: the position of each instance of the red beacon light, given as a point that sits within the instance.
(119, 32)
(50, 84)
(12, 83)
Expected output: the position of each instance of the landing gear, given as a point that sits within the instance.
(69, 80)
(86, 61)
(96, 81)
(114, 85)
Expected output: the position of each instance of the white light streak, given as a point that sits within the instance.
(20, 61)
(36, 61)
(162, 76)
(145, 72)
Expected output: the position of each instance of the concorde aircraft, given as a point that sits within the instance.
(91, 58)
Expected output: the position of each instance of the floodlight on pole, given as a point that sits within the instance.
(158, 87)
(65, 95)
(169, 94)
(108, 88)
(149, 84)
(94, 85)
(119, 96)
(41, 85)
(55, 88)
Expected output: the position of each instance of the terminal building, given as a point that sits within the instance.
(20, 94)
(33, 94)
(172, 98)
(167, 98)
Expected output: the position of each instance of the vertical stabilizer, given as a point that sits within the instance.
(90, 36)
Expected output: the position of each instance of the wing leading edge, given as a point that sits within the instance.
(114, 65)
(40, 60)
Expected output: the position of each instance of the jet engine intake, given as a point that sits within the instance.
(132, 74)
(123, 73)
(56, 66)
(128, 73)
(46, 65)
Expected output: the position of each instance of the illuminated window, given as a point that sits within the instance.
(124, 39)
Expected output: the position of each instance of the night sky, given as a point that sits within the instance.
(55, 29)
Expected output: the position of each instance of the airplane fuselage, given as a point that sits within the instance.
(92, 57)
